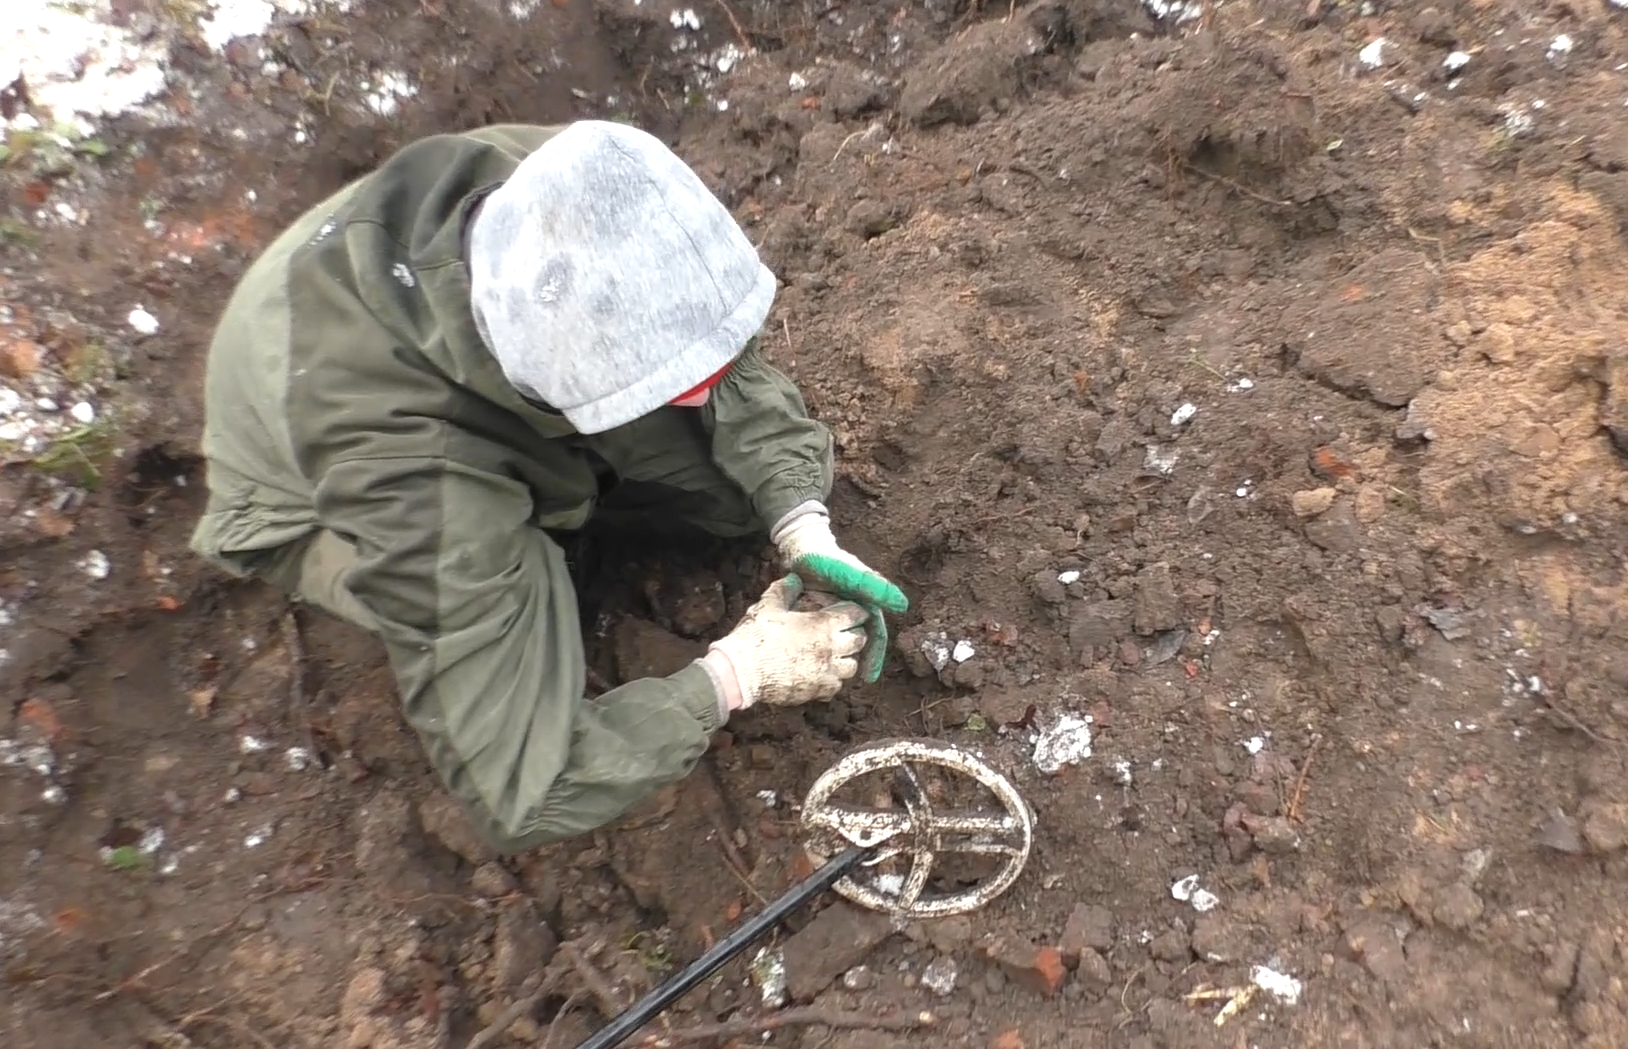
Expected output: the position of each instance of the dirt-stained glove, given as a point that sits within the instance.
(808, 548)
(781, 657)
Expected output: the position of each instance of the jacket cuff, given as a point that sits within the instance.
(701, 695)
(776, 509)
(802, 509)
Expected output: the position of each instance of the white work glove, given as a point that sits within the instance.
(808, 549)
(782, 657)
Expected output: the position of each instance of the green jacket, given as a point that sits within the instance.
(348, 390)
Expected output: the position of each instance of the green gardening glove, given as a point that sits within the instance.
(808, 549)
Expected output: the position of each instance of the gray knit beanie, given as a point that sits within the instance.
(607, 280)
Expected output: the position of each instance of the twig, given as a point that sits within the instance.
(1571, 719)
(548, 1039)
(735, 24)
(844, 145)
(525, 1004)
(1222, 180)
(130, 982)
(810, 1017)
(605, 996)
(1299, 792)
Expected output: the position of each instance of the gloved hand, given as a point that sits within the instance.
(808, 548)
(782, 657)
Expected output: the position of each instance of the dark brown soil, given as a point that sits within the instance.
(1353, 634)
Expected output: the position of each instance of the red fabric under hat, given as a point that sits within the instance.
(705, 384)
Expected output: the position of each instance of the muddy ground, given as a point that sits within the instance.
(1257, 391)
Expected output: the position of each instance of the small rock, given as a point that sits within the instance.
(1560, 968)
(949, 935)
(1497, 344)
(1089, 928)
(1373, 944)
(701, 606)
(851, 91)
(1435, 27)
(858, 978)
(1006, 707)
(1157, 606)
(1039, 970)
(492, 880)
(839, 938)
(19, 358)
(939, 976)
(1605, 826)
(1311, 502)
(1273, 835)
(1047, 588)
(1130, 653)
(1172, 945)
(1559, 832)
(444, 820)
(522, 945)
(1217, 939)
(870, 218)
(1094, 971)
(1458, 906)
(1370, 503)
(1336, 530)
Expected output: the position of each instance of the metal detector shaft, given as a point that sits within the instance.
(651, 1005)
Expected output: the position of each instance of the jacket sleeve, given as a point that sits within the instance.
(480, 621)
(764, 440)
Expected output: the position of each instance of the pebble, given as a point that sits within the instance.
(1312, 502)
(939, 976)
(1274, 835)
(1605, 827)
(1458, 907)
(1094, 971)
(492, 880)
(1172, 945)
(858, 978)
(443, 820)
(1089, 928)
(1039, 970)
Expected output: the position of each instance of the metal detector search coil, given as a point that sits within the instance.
(920, 832)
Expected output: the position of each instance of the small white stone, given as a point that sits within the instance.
(1373, 56)
(1070, 576)
(251, 744)
(1183, 414)
(83, 412)
(1240, 384)
(1281, 986)
(144, 322)
(298, 759)
(96, 565)
(962, 652)
(797, 81)
(1560, 46)
(1455, 61)
(1255, 744)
